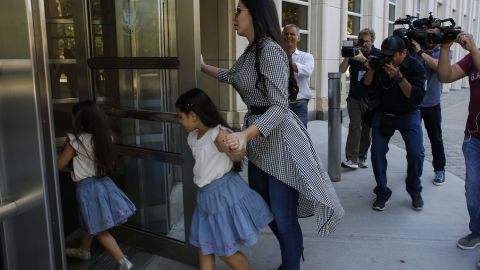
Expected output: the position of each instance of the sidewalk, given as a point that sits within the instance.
(397, 238)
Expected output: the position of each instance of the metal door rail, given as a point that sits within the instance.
(25, 203)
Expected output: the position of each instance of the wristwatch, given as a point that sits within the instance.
(420, 52)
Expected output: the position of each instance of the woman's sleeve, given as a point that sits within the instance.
(275, 69)
(224, 75)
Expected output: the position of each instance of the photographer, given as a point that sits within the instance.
(399, 80)
(468, 66)
(359, 134)
(430, 109)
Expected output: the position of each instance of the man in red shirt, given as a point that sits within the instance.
(468, 66)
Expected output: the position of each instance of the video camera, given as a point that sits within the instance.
(418, 29)
(351, 48)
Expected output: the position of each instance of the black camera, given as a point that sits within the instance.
(377, 62)
(428, 30)
(350, 48)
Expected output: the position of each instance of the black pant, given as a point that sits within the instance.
(432, 117)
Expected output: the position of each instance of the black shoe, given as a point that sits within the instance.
(280, 267)
(380, 202)
(417, 201)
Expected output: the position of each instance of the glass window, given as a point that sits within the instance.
(418, 8)
(298, 14)
(355, 6)
(133, 28)
(354, 18)
(61, 40)
(353, 25)
(63, 77)
(391, 12)
(58, 8)
(156, 189)
(143, 89)
(160, 136)
(392, 9)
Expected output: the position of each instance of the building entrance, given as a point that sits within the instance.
(130, 57)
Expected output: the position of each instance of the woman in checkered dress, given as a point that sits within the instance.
(283, 166)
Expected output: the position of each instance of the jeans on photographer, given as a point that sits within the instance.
(471, 152)
(432, 117)
(410, 128)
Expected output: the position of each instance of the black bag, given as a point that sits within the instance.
(370, 102)
(292, 88)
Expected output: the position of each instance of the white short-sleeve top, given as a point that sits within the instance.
(210, 164)
(84, 158)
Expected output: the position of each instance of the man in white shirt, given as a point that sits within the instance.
(302, 63)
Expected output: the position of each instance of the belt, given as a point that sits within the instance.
(256, 110)
(298, 101)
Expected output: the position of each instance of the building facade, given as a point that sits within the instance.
(324, 24)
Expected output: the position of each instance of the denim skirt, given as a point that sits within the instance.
(228, 216)
(101, 204)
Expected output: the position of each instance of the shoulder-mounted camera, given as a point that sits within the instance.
(427, 30)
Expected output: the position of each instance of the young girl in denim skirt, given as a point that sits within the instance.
(229, 215)
(101, 204)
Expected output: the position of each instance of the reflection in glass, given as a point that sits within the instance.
(302, 46)
(61, 40)
(63, 79)
(156, 190)
(58, 9)
(355, 6)
(150, 89)
(353, 25)
(296, 14)
(391, 12)
(161, 136)
(62, 113)
(127, 28)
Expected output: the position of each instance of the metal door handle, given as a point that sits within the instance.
(27, 202)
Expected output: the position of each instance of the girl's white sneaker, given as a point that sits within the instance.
(78, 253)
(124, 264)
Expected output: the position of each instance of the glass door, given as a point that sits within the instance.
(136, 77)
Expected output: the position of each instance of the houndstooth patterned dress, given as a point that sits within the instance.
(284, 149)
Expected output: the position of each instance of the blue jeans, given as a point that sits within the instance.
(411, 131)
(283, 201)
(432, 118)
(471, 152)
(300, 108)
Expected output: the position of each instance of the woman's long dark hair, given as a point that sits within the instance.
(197, 101)
(89, 118)
(266, 24)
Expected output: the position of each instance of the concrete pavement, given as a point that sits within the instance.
(397, 238)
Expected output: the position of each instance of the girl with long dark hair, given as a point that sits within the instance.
(283, 166)
(101, 204)
(228, 215)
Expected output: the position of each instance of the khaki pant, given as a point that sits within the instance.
(359, 134)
